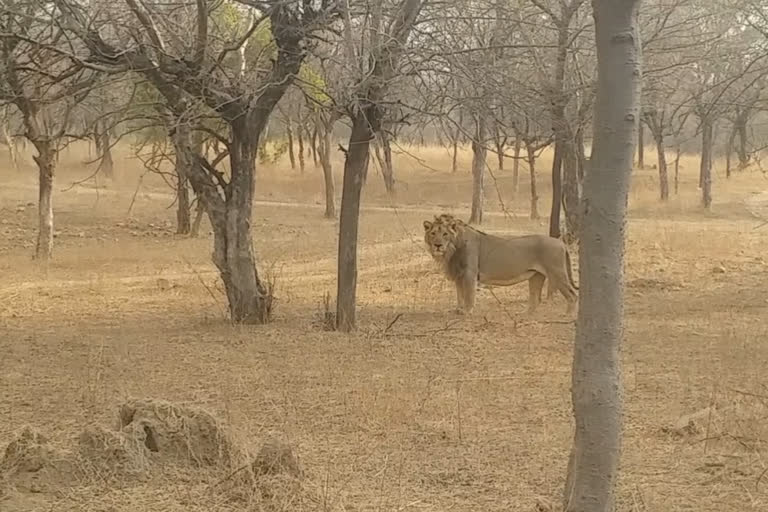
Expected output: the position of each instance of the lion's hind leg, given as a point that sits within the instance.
(535, 285)
(563, 284)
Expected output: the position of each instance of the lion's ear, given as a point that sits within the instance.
(427, 225)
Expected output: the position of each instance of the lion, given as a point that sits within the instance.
(468, 256)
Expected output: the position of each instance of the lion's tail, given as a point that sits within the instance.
(568, 268)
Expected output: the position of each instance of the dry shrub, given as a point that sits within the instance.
(178, 433)
(105, 452)
(31, 464)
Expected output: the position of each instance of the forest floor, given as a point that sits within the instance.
(420, 410)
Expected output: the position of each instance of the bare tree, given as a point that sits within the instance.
(45, 85)
(379, 60)
(596, 389)
(236, 90)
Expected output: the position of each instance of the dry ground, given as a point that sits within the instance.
(418, 411)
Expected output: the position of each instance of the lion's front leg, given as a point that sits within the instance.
(459, 298)
(466, 287)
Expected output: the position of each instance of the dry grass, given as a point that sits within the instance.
(419, 410)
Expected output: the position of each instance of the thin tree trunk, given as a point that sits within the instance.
(46, 164)
(571, 192)
(663, 175)
(557, 191)
(387, 170)
(11, 143)
(705, 170)
(289, 133)
(677, 169)
(581, 156)
(729, 152)
(194, 230)
(313, 145)
(531, 151)
(641, 147)
(454, 155)
(500, 141)
(559, 121)
(324, 154)
(596, 378)
(516, 165)
(107, 165)
(478, 171)
(301, 149)
(182, 142)
(741, 148)
(354, 171)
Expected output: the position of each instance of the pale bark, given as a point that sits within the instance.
(181, 139)
(289, 134)
(516, 165)
(301, 149)
(355, 166)
(11, 143)
(571, 191)
(677, 169)
(663, 175)
(705, 169)
(596, 380)
(479, 153)
(324, 128)
(46, 163)
(385, 161)
(531, 156)
(557, 190)
(740, 128)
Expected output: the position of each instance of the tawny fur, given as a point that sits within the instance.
(468, 256)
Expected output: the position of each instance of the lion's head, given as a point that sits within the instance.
(442, 235)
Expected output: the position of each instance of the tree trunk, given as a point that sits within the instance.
(663, 175)
(677, 169)
(324, 154)
(194, 230)
(640, 147)
(250, 301)
(182, 144)
(516, 165)
(107, 165)
(46, 164)
(301, 149)
(581, 156)
(571, 192)
(531, 151)
(705, 170)
(454, 155)
(741, 148)
(500, 141)
(596, 378)
(387, 170)
(11, 143)
(478, 171)
(355, 165)
(559, 121)
(729, 152)
(557, 191)
(289, 133)
(313, 145)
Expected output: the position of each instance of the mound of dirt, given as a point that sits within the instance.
(31, 464)
(178, 433)
(107, 452)
(276, 457)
